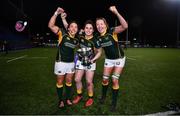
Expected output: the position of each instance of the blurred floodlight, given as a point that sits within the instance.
(25, 23)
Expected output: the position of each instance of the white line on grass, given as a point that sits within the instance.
(163, 113)
(131, 58)
(16, 58)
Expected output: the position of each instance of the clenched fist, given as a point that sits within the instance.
(113, 9)
(59, 11)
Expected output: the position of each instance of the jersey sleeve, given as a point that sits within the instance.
(61, 32)
(111, 30)
(115, 35)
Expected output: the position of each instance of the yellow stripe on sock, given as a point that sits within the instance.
(68, 84)
(79, 91)
(90, 94)
(115, 88)
(59, 86)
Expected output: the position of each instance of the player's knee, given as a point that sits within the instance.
(60, 82)
(77, 80)
(115, 82)
(89, 84)
(68, 81)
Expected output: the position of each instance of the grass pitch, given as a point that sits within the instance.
(150, 80)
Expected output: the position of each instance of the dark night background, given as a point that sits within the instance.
(150, 21)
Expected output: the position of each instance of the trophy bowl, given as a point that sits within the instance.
(85, 55)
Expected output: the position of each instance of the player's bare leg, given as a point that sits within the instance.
(90, 87)
(78, 77)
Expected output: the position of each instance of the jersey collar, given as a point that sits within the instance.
(72, 36)
(88, 38)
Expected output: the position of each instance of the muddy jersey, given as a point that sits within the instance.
(66, 47)
(109, 42)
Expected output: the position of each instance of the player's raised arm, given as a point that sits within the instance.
(64, 21)
(54, 28)
(123, 24)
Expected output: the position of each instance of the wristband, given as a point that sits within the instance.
(56, 13)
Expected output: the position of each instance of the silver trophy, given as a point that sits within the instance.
(85, 55)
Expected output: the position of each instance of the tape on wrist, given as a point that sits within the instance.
(56, 14)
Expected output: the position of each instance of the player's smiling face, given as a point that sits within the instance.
(88, 29)
(73, 28)
(101, 26)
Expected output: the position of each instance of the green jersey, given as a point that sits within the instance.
(109, 42)
(91, 43)
(66, 47)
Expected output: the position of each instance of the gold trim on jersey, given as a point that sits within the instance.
(60, 37)
(88, 38)
(115, 37)
(70, 35)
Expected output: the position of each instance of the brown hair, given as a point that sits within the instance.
(71, 23)
(101, 18)
(89, 22)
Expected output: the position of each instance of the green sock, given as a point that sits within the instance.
(104, 90)
(60, 92)
(114, 96)
(68, 92)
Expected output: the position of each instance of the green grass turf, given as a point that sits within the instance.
(150, 80)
